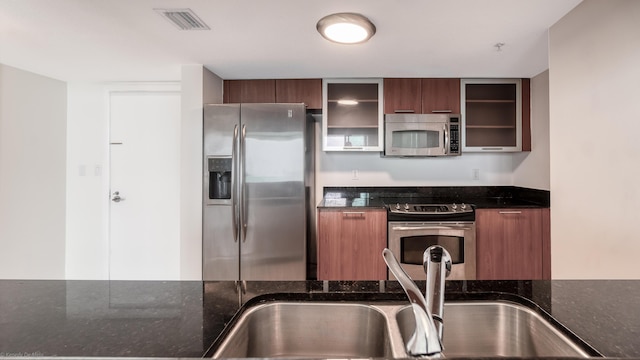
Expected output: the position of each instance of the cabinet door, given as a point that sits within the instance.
(402, 96)
(441, 95)
(307, 91)
(491, 115)
(509, 244)
(249, 91)
(352, 115)
(350, 244)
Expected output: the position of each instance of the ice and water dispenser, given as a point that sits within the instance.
(219, 179)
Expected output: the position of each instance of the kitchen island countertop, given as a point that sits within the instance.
(40, 318)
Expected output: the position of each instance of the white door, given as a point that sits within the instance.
(144, 228)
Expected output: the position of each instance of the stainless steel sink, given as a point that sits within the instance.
(496, 329)
(308, 329)
(379, 329)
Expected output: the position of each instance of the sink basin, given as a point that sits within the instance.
(308, 330)
(492, 328)
(379, 329)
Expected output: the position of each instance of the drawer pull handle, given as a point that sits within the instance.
(510, 212)
(353, 213)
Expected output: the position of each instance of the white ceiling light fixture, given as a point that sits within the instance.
(346, 28)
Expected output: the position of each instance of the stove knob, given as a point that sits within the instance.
(406, 207)
(463, 206)
(454, 206)
(398, 206)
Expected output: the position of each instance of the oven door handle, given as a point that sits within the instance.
(437, 227)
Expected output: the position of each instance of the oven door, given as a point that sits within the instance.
(409, 240)
(416, 139)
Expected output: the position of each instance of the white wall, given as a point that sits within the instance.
(199, 86)
(87, 246)
(595, 122)
(87, 242)
(32, 175)
(531, 169)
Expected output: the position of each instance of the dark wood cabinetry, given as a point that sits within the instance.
(307, 91)
(402, 96)
(513, 244)
(421, 96)
(526, 114)
(441, 95)
(249, 91)
(350, 244)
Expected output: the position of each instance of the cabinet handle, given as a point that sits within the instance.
(353, 214)
(441, 111)
(510, 212)
(353, 147)
(404, 111)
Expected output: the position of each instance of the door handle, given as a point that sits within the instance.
(116, 197)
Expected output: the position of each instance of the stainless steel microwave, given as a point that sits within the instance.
(415, 135)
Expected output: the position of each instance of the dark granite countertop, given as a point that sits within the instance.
(183, 319)
(483, 197)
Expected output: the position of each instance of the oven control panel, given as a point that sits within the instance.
(430, 208)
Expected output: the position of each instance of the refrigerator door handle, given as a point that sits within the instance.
(243, 197)
(234, 175)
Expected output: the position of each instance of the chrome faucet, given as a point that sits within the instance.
(427, 336)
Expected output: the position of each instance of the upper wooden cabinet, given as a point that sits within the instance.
(513, 244)
(307, 91)
(441, 96)
(402, 96)
(249, 91)
(421, 96)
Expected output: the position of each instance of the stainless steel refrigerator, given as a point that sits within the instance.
(258, 191)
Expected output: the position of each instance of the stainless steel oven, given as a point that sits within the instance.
(412, 229)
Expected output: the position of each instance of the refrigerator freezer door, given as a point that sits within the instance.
(273, 207)
(220, 243)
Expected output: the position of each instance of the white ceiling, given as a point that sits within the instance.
(126, 40)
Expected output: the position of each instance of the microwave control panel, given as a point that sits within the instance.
(454, 138)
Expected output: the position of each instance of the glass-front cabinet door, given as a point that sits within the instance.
(352, 115)
(491, 115)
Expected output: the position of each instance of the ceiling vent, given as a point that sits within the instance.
(183, 19)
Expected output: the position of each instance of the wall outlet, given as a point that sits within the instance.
(475, 174)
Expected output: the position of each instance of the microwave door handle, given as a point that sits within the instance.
(446, 140)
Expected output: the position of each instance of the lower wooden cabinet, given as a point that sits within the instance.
(513, 244)
(350, 244)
